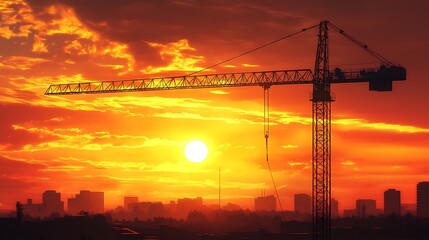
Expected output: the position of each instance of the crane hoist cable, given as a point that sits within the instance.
(267, 135)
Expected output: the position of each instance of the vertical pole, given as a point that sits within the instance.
(321, 140)
(220, 208)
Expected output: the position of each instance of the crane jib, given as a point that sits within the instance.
(379, 80)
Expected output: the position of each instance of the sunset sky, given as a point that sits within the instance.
(133, 143)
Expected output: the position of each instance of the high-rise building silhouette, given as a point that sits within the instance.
(52, 202)
(392, 202)
(267, 203)
(86, 201)
(423, 199)
(302, 203)
(365, 208)
(334, 208)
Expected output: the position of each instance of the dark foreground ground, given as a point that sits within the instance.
(99, 227)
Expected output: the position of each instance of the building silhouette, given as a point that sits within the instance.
(51, 204)
(365, 208)
(189, 204)
(349, 213)
(86, 201)
(423, 199)
(145, 210)
(128, 200)
(302, 203)
(35, 210)
(267, 203)
(231, 207)
(334, 208)
(392, 202)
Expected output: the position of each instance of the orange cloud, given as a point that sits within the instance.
(63, 21)
(20, 62)
(360, 123)
(177, 55)
(74, 138)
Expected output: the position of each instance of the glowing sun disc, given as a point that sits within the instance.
(196, 151)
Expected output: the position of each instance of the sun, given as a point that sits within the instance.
(196, 151)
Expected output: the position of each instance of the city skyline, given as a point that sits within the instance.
(133, 143)
(302, 204)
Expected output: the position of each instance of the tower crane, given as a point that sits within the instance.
(379, 79)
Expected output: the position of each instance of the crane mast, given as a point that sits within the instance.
(379, 80)
(321, 155)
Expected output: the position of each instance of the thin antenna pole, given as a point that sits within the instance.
(219, 190)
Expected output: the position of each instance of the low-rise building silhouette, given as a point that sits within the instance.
(366, 208)
(423, 199)
(128, 200)
(392, 202)
(145, 210)
(35, 210)
(349, 213)
(231, 207)
(86, 201)
(189, 204)
(267, 203)
(51, 204)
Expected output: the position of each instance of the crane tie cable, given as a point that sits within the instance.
(362, 45)
(267, 135)
(252, 50)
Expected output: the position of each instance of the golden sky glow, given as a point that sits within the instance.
(133, 143)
